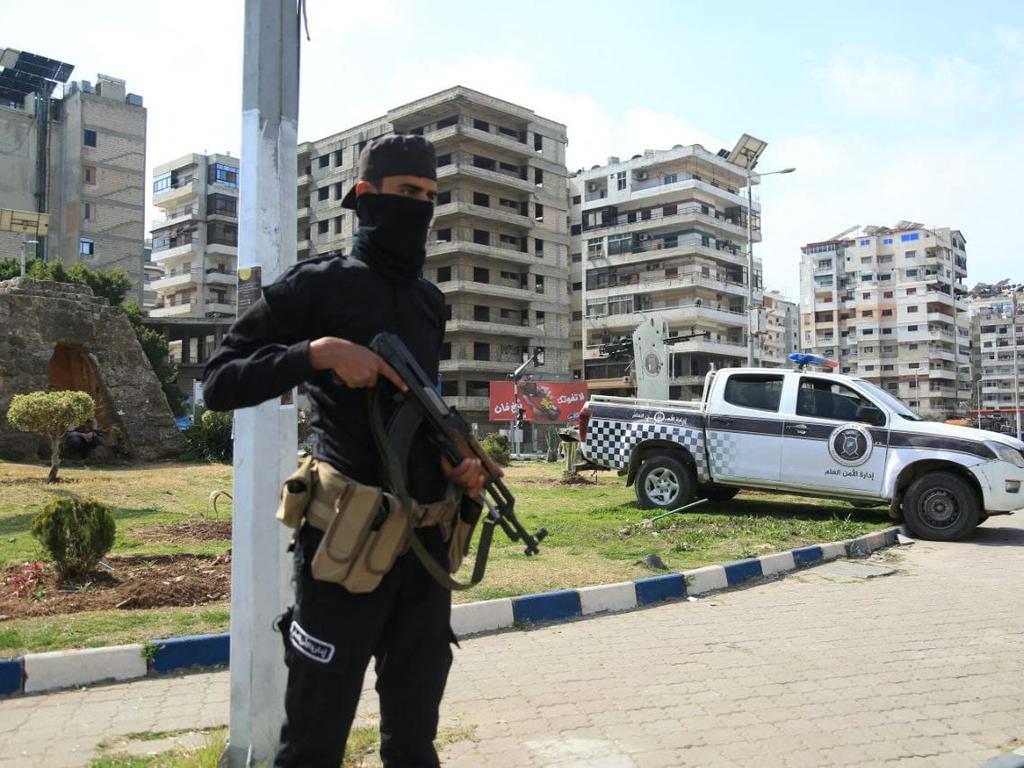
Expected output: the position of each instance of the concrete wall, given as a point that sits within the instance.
(18, 152)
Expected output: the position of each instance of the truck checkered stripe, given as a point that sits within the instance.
(611, 442)
(723, 448)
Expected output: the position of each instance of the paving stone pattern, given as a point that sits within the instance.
(825, 667)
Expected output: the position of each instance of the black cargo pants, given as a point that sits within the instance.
(329, 638)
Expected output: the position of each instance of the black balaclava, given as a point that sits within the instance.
(395, 231)
(394, 228)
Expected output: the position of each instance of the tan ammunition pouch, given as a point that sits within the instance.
(365, 528)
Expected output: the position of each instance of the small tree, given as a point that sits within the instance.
(77, 533)
(51, 414)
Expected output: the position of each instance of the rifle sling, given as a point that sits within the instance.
(396, 480)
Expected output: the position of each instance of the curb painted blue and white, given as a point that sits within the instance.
(37, 672)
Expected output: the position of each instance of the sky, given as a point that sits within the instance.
(889, 111)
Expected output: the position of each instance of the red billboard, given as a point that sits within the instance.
(543, 402)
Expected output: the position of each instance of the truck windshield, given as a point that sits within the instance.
(894, 403)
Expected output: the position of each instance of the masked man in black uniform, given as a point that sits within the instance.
(311, 327)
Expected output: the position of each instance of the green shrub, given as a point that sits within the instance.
(51, 414)
(497, 448)
(210, 439)
(77, 534)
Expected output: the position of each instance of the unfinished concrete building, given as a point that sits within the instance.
(499, 244)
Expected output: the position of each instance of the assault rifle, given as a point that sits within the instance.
(422, 405)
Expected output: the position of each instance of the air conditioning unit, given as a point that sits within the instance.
(641, 176)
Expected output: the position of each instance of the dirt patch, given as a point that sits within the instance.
(33, 589)
(184, 532)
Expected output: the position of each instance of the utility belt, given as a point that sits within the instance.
(365, 528)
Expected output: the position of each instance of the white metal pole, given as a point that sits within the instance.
(265, 436)
(1013, 341)
(750, 266)
(979, 399)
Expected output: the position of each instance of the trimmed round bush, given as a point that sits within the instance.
(76, 533)
(497, 448)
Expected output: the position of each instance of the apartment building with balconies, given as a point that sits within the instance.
(499, 244)
(890, 304)
(665, 233)
(77, 151)
(997, 345)
(195, 240)
(781, 335)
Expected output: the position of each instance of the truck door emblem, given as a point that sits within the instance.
(850, 444)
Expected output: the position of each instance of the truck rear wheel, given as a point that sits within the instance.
(941, 506)
(664, 482)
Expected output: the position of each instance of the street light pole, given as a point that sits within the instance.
(750, 258)
(1013, 340)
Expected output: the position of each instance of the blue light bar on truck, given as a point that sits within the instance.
(801, 359)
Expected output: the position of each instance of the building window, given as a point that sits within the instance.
(337, 225)
(444, 274)
(88, 174)
(443, 160)
(481, 275)
(620, 180)
(443, 198)
(577, 286)
(886, 313)
(479, 198)
(481, 350)
(484, 162)
(481, 237)
(538, 212)
(323, 193)
(481, 125)
(444, 235)
(910, 255)
(445, 122)
(910, 236)
(911, 329)
(447, 311)
(221, 205)
(219, 173)
(538, 143)
(446, 351)
(538, 247)
(887, 241)
(86, 247)
(577, 257)
(481, 313)
(323, 161)
(322, 227)
(865, 242)
(911, 309)
(911, 273)
(89, 137)
(86, 211)
(911, 291)
(539, 283)
(221, 233)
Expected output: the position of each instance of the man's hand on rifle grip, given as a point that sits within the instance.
(353, 365)
(468, 475)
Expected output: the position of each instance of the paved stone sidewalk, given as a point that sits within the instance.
(923, 667)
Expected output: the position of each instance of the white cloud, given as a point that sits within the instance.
(869, 81)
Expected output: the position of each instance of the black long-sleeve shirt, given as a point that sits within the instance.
(266, 353)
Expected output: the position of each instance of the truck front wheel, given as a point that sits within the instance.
(664, 483)
(941, 506)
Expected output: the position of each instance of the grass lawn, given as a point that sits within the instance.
(595, 537)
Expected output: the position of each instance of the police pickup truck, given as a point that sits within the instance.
(807, 433)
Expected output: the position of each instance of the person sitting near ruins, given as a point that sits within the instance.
(82, 440)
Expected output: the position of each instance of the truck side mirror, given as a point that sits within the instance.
(870, 415)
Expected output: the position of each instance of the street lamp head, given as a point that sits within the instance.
(786, 170)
